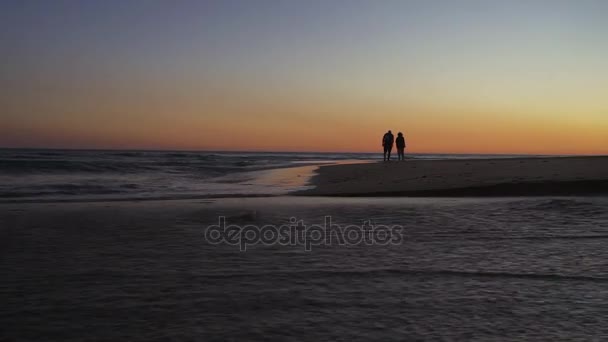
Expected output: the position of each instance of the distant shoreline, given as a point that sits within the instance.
(528, 176)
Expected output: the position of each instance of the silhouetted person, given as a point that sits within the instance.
(400, 142)
(387, 142)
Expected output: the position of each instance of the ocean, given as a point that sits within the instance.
(79, 175)
(81, 261)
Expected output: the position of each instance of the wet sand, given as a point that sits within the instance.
(546, 176)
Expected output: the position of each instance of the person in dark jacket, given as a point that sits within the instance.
(387, 142)
(400, 146)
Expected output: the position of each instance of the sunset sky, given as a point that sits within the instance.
(455, 76)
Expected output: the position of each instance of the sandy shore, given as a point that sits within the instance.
(474, 177)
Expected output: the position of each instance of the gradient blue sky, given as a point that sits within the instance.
(456, 76)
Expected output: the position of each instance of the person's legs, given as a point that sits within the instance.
(385, 152)
(389, 153)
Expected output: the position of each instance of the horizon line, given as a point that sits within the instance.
(278, 151)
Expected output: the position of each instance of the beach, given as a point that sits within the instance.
(222, 171)
(133, 256)
(537, 176)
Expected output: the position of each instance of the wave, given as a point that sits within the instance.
(119, 166)
(68, 189)
(573, 206)
(58, 166)
(136, 162)
(309, 274)
(31, 175)
(560, 204)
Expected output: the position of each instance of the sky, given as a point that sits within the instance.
(455, 76)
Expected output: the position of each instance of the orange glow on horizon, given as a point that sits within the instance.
(426, 133)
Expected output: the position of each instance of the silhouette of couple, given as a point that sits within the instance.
(387, 142)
